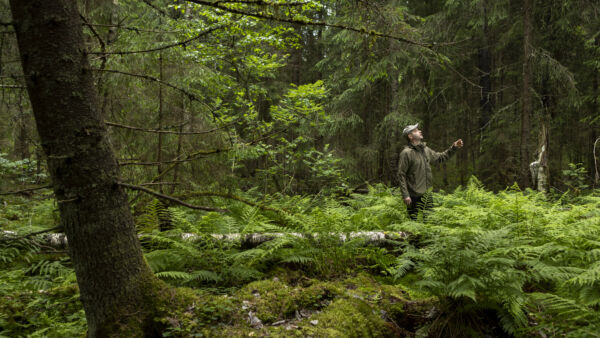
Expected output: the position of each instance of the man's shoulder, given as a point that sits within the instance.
(406, 150)
(408, 153)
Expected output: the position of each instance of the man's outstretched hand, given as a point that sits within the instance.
(407, 201)
(458, 143)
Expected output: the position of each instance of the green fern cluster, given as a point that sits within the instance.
(512, 257)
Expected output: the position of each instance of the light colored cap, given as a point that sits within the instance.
(410, 128)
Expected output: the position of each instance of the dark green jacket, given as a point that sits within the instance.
(414, 171)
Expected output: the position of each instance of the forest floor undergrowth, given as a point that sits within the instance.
(511, 263)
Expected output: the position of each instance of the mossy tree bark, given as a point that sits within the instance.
(118, 289)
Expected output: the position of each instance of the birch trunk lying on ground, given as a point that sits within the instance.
(59, 240)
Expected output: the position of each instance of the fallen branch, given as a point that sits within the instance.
(378, 238)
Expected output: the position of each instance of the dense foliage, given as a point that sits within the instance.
(298, 98)
(259, 141)
(510, 262)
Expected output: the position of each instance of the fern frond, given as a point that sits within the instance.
(173, 243)
(205, 276)
(589, 277)
(242, 273)
(248, 255)
(513, 317)
(297, 259)
(561, 308)
(403, 266)
(173, 275)
(540, 271)
(160, 260)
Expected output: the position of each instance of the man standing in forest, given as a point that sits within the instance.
(414, 171)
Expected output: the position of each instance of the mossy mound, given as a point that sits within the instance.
(357, 306)
(273, 300)
(350, 317)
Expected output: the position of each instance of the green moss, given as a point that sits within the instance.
(350, 317)
(354, 307)
(56, 312)
(205, 313)
(273, 300)
(407, 283)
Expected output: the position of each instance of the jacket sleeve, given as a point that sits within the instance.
(436, 157)
(402, 171)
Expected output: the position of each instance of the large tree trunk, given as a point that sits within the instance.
(526, 95)
(116, 285)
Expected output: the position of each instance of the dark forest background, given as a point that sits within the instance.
(199, 97)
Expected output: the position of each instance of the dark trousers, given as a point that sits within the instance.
(420, 204)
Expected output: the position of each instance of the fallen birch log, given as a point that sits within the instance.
(380, 238)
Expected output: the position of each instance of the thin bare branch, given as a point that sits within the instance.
(190, 157)
(156, 8)
(597, 176)
(182, 43)
(135, 29)
(149, 78)
(262, 3)
(25, 190)
(261, 15)
(159, 183)
(170, 198)
(102, 46)
(156, 131)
